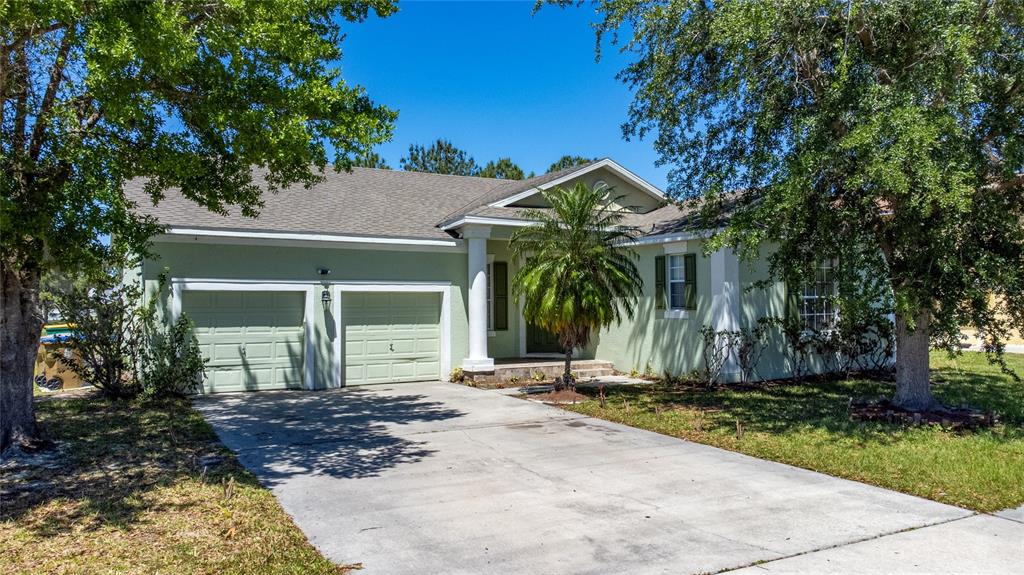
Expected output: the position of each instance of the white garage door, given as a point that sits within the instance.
(252, 339)
(391, 337)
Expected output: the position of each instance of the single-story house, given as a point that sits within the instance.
(382, 276)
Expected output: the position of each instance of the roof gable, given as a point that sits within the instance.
(601, 171)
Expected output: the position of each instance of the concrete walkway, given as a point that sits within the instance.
(441, 478)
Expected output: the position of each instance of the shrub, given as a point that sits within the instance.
(747, 345)
(862, 339)
(121, 346)
(649, 371)
(109, 324)
(457, 375)
(717, 347)
(172, 363)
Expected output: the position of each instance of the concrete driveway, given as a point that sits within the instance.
(441, 478)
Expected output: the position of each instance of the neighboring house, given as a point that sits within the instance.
(380, 276)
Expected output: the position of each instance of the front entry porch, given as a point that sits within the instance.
(497, 328)
(529, 368)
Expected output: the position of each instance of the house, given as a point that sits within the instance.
(380, 276)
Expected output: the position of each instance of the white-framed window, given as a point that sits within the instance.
(676, 282)
(817, 306)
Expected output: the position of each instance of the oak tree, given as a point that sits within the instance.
(186, 94)
(886, 135)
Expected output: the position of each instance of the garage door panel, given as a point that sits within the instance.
(428, 346)
(378, 348)
(259, 352)
(404, 346)
(403, 370)
(391, 337)
(427, 369)
(226, 353)
(288, 377)
(223, 380)
(260, 300)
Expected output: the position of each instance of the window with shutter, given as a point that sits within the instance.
(682, 281)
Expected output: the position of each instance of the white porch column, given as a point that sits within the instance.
(725, 301)
(478, 360)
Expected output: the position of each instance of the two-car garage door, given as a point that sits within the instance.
(254, 339)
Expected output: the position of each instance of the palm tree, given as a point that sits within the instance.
(576, 272)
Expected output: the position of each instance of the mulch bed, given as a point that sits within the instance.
(559, 397)
(957, 419)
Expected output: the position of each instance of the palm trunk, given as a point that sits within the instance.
(567, 372)
(913, 388)
(20, 327)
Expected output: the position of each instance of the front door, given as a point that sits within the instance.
(539, 340)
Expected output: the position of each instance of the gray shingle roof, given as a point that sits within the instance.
(375, 202)
(365, 201)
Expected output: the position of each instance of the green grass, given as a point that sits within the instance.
(809, 426)
(127, 494)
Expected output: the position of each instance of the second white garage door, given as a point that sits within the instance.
(391, 337)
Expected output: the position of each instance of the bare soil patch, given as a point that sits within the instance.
(956, 419)
(560, 397)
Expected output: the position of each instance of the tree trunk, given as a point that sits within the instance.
(913, 388)
(567, 372)
(20, 327)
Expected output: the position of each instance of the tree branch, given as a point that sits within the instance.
(1001, 185)
(865, 35)
(1014, 88)
(28, 35)
(20, 74)
(56, 76)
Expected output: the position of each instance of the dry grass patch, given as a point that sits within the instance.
(142, 488)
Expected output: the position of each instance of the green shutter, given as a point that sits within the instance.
(660, 294)
(500, 296)
(690, 280)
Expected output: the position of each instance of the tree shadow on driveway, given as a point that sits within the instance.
(349, 433)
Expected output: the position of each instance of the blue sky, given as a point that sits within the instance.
(497, 81)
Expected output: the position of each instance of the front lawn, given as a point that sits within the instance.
(126, 492)
(809, 426)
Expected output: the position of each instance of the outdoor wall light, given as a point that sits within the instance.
(325, 298)
(323, 271)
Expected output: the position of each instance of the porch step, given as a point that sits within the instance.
(588, 373)
(527, 369)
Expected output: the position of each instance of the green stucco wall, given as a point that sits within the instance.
(651, 339)
(673, 344)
